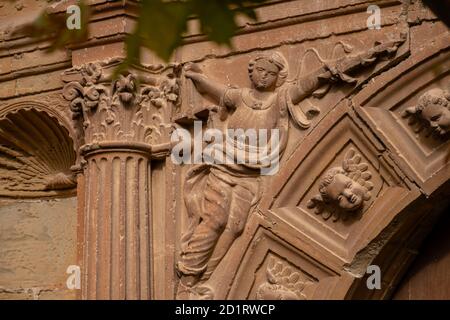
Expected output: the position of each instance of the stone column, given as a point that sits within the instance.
(118, 220)
(123, 126)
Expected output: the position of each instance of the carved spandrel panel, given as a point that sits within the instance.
(274, 270)
(296, 192)
(278, 279)
(290, 236)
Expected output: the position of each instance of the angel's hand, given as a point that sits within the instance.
(332, 72)
(192, 71)
(327, 76)
(192, 67)
(194, 75)
(335, 71)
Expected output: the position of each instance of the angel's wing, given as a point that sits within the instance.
(356, 170)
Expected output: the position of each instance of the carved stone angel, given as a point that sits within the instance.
(219, 197)
(343, 188)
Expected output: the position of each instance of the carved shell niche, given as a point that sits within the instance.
(36, 154)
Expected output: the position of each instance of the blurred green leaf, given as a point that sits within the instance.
(160, 26)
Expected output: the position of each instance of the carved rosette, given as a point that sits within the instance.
(124, 123)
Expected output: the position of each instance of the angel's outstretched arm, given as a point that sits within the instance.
(207, 86)
(309, 83)
(338, 69)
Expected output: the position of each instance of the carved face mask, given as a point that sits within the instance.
(438, 117)
(264, 74)
(348, 194)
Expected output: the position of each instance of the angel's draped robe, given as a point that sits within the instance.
(219, 197)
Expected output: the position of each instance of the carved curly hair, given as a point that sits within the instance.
(433, 96)
(277, 59)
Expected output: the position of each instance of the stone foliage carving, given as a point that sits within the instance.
(219, 198)
(344, 189)
(432, 113)
(283, 282)
(134, 107)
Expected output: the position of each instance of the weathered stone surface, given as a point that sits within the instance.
(38, 244)
(360, 180)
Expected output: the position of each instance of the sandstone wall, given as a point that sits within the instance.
(38, 243)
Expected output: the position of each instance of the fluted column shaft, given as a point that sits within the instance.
(117, 223)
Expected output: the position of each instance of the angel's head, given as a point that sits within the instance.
(337, 187)
(268, 71)
(434, 108)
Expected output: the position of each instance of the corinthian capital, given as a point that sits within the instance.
(134, 107)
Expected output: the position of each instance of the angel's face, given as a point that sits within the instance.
(264, 75)
(348, 194)
(438, 117)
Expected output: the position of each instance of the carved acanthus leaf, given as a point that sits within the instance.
(283, 282)
(131, 108)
